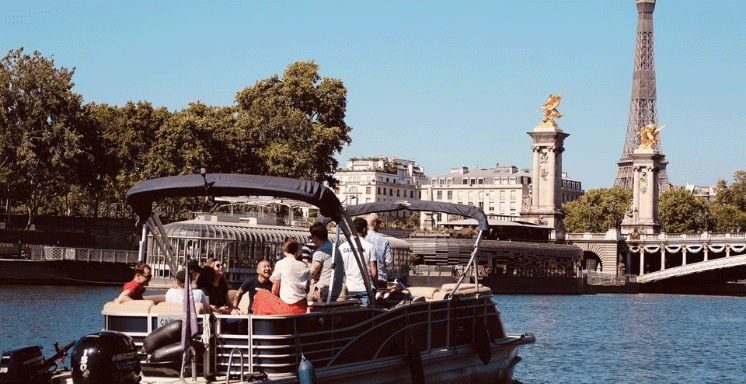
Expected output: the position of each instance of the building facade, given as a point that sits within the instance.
(380, 178)
(501, 191)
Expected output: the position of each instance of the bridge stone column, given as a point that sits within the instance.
(546, 200)
(647, 165)
(642, 261)
(663, 256)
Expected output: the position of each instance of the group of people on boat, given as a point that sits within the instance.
(306, 273)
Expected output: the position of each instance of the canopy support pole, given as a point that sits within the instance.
(159, 234)
(471, 264)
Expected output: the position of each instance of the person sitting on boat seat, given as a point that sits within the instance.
(323, 264)
(194, 270)
(353, 276)
(135, 288)
(253, 284)
(290, 279)
(212, 282)
(176, 294)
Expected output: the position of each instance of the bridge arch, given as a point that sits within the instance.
(592, 262)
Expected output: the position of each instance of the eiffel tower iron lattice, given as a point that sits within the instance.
(643, 109)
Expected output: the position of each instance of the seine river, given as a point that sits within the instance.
(580, 339)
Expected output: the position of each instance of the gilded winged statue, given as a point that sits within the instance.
(649, 135)
(550, 109)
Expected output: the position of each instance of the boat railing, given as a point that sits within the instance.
(274, 344)
(51, 253)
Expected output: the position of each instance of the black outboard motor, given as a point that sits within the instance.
(21, 366)
(105, 357)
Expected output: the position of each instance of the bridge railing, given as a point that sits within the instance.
(705, 236)
(83, 254)
(585, 236)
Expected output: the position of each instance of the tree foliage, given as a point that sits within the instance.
(604, 206)
(728, 211)
(58, 154)
(41, 134)
(680, 211)
(293, 126)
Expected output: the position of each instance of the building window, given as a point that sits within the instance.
(502, 194)
(442, 181)
(472, 181)
(440, 195)
(434, 181)
(449, 181)
(465, 181)
(480, 181)
(512, 180)
(450, 195)
(411, 193)
(512, 195)
(397, 193)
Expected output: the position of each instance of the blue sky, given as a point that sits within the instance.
(443, 83)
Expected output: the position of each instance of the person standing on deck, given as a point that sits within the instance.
(322, 263)
(307, 251)
(354, 277)
(384, 256)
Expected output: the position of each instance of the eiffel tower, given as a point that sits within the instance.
(642, 109)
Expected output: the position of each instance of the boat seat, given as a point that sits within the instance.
(465, 289)
(174, 308)
(156, 298)
(243, 304)
(132, 306)
(426, 292)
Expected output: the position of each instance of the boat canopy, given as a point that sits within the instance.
(419, 205)
(141, 196)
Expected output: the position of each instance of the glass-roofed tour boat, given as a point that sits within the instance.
(450, 334)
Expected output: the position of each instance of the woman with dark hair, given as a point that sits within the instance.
(213, 284)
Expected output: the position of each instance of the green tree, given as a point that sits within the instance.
(197, 137)
(293, 126)
(127, 134)
(681, 212)
(728, 211)
(603, 206)
(413, 221)
(40, 130)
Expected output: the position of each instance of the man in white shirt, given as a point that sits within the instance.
(354, 277)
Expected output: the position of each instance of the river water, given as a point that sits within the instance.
(580, 339)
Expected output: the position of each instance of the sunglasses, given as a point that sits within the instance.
(218, 265)
(147, 277)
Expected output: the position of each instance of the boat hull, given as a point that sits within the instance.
(454, 366)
